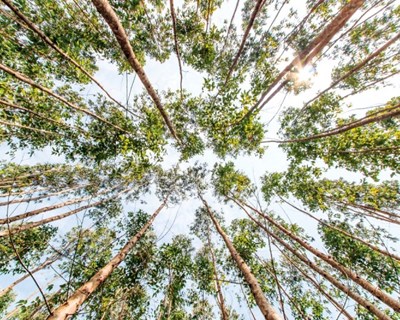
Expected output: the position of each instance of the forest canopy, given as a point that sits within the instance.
(202, 159)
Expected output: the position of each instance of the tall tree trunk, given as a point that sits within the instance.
(313, 48)
(369, 209)
(14, 106)
(383, 115)
(29, 81)
(30, 225)
(356, 297)
(178, 55)
(30, 25)
(256, 10)
(375, 291)
(228, 31)
(71, 306)
(22, 193)
(319, 288)
(29, 175)
(44, 196)
(221, 300)
(50, 208)
(20, 126)
(381, 150)
(265, 307)
(357, 67)
(105, 9)
(347, 234)
(45, 264)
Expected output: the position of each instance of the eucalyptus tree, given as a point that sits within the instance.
(361, 200)
(112, 156)
(122, 291)
(238, 181)
(368, 144)
(264, 305)
(208, 263)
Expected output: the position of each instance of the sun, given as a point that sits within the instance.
(306, 74)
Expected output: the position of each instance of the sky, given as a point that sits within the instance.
(176, 219)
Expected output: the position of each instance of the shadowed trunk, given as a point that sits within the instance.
(105, 9)
(356, 297)
(71, 306)
(265, 307)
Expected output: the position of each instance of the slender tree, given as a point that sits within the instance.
(265, 307)
(73, 303)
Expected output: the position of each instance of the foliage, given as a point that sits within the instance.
(241, 66)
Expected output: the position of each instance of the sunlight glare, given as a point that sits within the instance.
(306, 75)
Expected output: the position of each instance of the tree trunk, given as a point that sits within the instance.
(265, 307)
(357, 67)
(22, 193)
(382, 150)
(48, 262)
(50, 208)
(356, 297)
(29, 175)
(253, 16)
(41, 116)
(71, 306)
(320, 289)
(394, 112)
(27, 226)
(221, 300)
(178, 55)
(375, 291)
(47, 40)
(44, 196)
(105, 9)
(29, 81)
(17, 125)
(351, 236)
(313, 48)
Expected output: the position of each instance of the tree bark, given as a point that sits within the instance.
(44, 196)
(265, 307)
(29, 81)
(47, 40)
(382, 150)
(178, 55)
(17, 125)
(357, 67)
(395, 111)
(313, 48)
(320, 289)
(22, 193)
(71, 306)
(351, 236)
(375, 291)
(221, 300)
(356, 297)
(45, 264)
(253, 16)
(105, 9)
(49, 208)
(27, 226)
(62, 124)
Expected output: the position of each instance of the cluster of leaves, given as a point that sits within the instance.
(112, 156)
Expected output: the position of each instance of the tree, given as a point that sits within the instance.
(314, 239)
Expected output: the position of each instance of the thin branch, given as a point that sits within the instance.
(253, 16)
(24, 266)
(29, 81)
(178, 55)
(47, 40)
